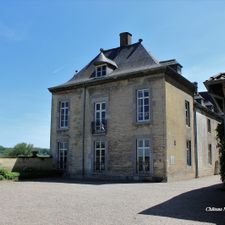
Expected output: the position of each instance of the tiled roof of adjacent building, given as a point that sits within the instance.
(206, 102)
(219, 76)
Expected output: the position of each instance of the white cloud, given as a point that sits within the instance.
(59, 69)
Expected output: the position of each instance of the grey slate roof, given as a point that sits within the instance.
(101, 58)
(207, 97)
(130, 58)
(219, 76)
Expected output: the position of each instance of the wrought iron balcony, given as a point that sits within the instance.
(99, 127)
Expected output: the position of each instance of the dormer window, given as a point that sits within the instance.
(103, 66)
(100, 70)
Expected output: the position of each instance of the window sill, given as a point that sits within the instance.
(63, 129)
(147, 122)
(98, 78)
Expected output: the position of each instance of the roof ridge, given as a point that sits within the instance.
(120, 47)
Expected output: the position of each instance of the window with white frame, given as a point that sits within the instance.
(62, 155)
(210, 154)
(63, 114)
(143, 155)
(187, 113)
(99, 151)
(100, 71)
(188, 150)
(143, 105)
(100, 116)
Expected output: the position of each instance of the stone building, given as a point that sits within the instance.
(207, 119)
(127, 115)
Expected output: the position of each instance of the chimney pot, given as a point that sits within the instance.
(125, 39)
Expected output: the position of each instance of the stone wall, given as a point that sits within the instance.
(122, 128)
(28, 166)
(203, 140)
(178, 133)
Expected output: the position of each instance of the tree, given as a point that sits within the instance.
(2, 149)
(221, 145)
(21, 149)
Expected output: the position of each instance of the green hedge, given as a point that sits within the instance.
(6, 175)
(221, 145)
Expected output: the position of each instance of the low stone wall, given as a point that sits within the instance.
(29, 167)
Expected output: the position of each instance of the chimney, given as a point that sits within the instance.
(125, 39)
(196, 87)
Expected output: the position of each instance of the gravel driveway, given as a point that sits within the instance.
(62, 202)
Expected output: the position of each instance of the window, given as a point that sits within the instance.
(210, 154)
(64, 114)
(209, 125)
(100, 71)
(187, 113)
(143, 105)
(62, 155)
(99, 163)
(188, 149)
(100, 113)
(143, 156)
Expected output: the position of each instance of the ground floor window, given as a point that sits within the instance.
(143, 156)
(188, 149)
(210, 154)
(99, 150)
(62, 155)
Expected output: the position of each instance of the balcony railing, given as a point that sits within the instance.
(99, 127)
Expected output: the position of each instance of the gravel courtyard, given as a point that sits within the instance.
(61, 202)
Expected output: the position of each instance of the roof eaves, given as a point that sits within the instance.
(108, 78)
(209, 112)
(173, 74)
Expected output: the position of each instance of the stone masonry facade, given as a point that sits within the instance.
(126, 147)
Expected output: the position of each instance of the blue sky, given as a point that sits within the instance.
(42, 43)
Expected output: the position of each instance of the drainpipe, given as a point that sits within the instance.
(83, 137)
(196, 143)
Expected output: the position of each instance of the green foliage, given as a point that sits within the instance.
(2, 150)
(12, 176)
(8, 152)
(21, 149)
(221, 145)
(4, 174)
(43, 152)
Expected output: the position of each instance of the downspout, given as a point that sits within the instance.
(196, 143)
(83, 136)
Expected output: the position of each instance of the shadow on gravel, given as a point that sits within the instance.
(80, 181)
(192, 206)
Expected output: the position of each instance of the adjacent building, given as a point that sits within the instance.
(207, 119)
(127, 115)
